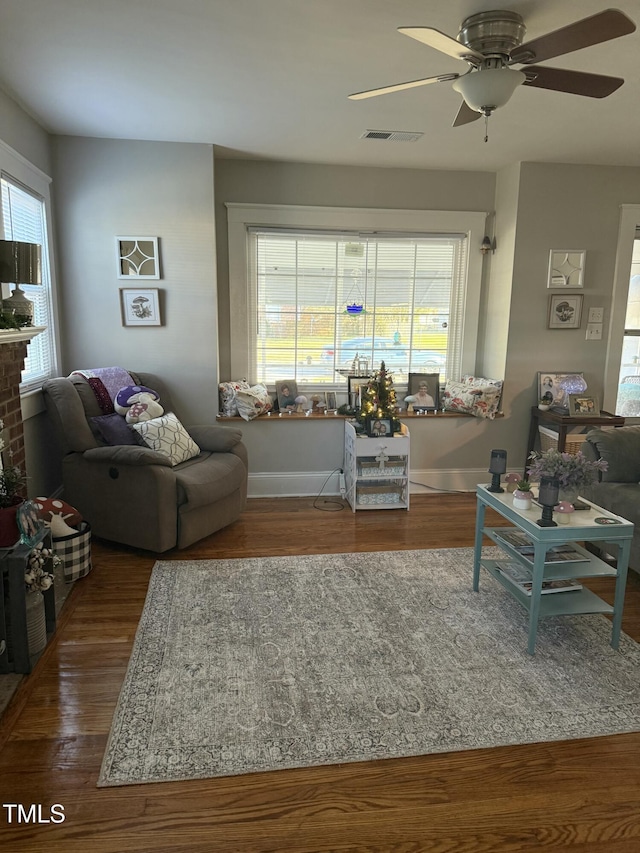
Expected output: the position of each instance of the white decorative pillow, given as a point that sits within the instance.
(253, 401)
(166, 435)
(228, 392)
(477, 400)
(480, 381)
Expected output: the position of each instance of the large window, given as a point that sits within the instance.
(24, 213)
(628, 401)
(326, 303)
(398, 286)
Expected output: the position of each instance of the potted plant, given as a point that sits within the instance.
(522, 495)
(573, 471)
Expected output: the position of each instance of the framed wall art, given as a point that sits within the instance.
(138, 257)
(140, 307)
(566, 268)
(565, 311)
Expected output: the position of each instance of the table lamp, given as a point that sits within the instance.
(497, 466)
(20, 263)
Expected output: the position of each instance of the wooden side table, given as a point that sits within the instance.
(583, 528)
(565, 422)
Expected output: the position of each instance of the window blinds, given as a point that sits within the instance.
(309, 287)
(23, 219)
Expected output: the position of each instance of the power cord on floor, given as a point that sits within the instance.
(439, 489)
(329, 502)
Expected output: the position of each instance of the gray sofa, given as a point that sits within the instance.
(619, 486)
(132, 494)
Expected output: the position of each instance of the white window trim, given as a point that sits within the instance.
(19, 168)
(240, 216)
(629, 221)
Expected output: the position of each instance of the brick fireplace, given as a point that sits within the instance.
(13, 351)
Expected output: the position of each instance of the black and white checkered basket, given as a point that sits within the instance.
(75, 552)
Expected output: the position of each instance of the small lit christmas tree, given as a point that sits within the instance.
(378, 398)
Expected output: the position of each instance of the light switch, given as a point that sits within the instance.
(596, 315)
(594, 332)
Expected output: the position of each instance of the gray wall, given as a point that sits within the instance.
(106, 188)
(25, 136)
(538, 207)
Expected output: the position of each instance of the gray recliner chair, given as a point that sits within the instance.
(132, 494)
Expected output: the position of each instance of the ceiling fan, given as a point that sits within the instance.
(492, 42)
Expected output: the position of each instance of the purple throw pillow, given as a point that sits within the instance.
(113, 429)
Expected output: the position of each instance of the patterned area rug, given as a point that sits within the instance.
(263, 664)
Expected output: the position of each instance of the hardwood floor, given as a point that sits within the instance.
(580, 796)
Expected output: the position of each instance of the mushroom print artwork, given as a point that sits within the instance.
(140, 307)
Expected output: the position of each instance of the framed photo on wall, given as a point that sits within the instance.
(140, 307)
(565, 311)
(425, 387)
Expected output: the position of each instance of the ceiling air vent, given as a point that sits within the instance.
(392, 135)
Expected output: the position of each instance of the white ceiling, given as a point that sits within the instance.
(269, 79)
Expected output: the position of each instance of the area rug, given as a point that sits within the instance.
(271, 663)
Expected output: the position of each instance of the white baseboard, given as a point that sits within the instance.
(312, 483)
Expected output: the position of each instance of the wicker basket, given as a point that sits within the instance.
(549, 441)
(392, 467)
(382, 493)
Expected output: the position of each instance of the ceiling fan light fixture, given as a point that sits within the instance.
(489, 88)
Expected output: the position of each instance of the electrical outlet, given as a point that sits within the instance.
(594, 332)
(596, 315)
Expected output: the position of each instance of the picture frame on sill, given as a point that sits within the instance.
(286, 393)
(355, 384)
(549, 388)
(138, 257)
(583, 404)
(565, 311)
(566, 268)
(379, 427)
(140, 307)
(330, 401)
(425, 387)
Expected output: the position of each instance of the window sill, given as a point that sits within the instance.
(403, 416)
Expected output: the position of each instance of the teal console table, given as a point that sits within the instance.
(583, 528)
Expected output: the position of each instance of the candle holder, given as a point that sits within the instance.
(497, 466)
(548, 498)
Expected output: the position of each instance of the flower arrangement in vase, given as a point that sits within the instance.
(522, 495)
(573, 471)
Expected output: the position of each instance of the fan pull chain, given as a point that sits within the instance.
(486, 128)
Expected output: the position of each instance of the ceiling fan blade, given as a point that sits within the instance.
(603, 26)
(465, 115)
(399, 87)
(574, 82)
(443, 43)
